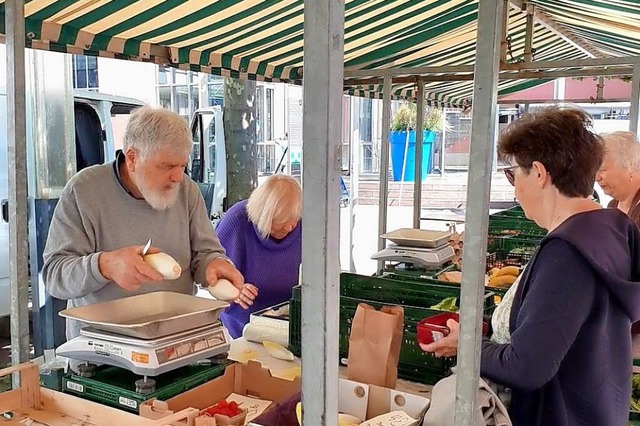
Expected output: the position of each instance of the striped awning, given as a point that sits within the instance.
(263, 40)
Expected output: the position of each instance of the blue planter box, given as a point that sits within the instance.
(398, 143)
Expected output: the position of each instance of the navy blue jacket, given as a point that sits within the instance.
(569, 361)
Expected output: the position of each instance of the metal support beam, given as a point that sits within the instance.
(485, 95)
(384, 165)
(417, 189)
(506, 75)
(526, 75)
(17, 153)
(600, 88)
(559, 89)
(635, 100)
(528, 35)
(535, 65)
(443, 145)
(556, 100)
(548, 22)
(573, 63)
(408, 71)
(322, 127)
(504, 43)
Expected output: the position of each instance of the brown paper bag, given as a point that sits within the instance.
(374, 345)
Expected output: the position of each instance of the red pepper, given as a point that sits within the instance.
(229, 409)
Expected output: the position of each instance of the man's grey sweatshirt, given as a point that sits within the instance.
(96, 213)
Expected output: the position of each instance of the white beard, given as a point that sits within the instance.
(158, 199)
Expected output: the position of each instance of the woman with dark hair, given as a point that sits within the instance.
(568, 359)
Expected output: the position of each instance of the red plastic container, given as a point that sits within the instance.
(435, 328)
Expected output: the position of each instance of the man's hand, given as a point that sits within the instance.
(126, 268)
(247, 296)
(220, 268)
(448, 345)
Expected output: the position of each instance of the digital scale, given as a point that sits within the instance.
(148, 335)
(427, 258)
(147, 357)
(418, 247)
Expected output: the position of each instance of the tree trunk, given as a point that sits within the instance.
(240, 139)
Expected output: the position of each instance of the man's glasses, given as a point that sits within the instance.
(510, 173)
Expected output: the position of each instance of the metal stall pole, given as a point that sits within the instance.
(485, 94)
(443, 144)
(384, 165)
(322, 129)
(354, 167)
(417, 189)
(17, 143)
(635, 100)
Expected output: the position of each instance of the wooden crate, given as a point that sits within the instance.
(51, 408)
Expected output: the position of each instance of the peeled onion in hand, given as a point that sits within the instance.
(224, 290)
(165, 265)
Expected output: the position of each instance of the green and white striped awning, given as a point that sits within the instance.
(263, 40)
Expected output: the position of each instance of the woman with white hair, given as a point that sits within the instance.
(263, 238)
(619, 174)
(619, 177)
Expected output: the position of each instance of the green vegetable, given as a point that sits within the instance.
(635, 395)
(448, 305)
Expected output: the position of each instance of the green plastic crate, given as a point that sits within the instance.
(414, 364)
(115, 387)
(515, 211)
(489, 308)
(510, 243)
(422, 292)
(514, 222)
(414, 296)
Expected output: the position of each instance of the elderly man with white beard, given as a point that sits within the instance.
(106, 213)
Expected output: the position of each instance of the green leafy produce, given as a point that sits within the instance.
(448, 305)
(635, 393)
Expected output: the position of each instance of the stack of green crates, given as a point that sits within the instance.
(115, 387)
(415, 296)
(512, 237)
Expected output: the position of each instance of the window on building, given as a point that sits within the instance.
(181, 101)
(85, 72)
(179, 91)
(366, 140)
(268, 149)
(365, 119)
(269, 115)
(216, 90)
(164, 97)
(346, 132)
(259, 114)
(266, 158)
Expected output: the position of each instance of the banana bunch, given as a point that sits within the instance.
(503, 277)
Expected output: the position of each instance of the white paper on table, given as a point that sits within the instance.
(254, 406)
(394, 418)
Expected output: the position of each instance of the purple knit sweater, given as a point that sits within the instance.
(269, 264)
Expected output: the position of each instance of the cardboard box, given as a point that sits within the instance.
(246, 380)
(367, 402)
